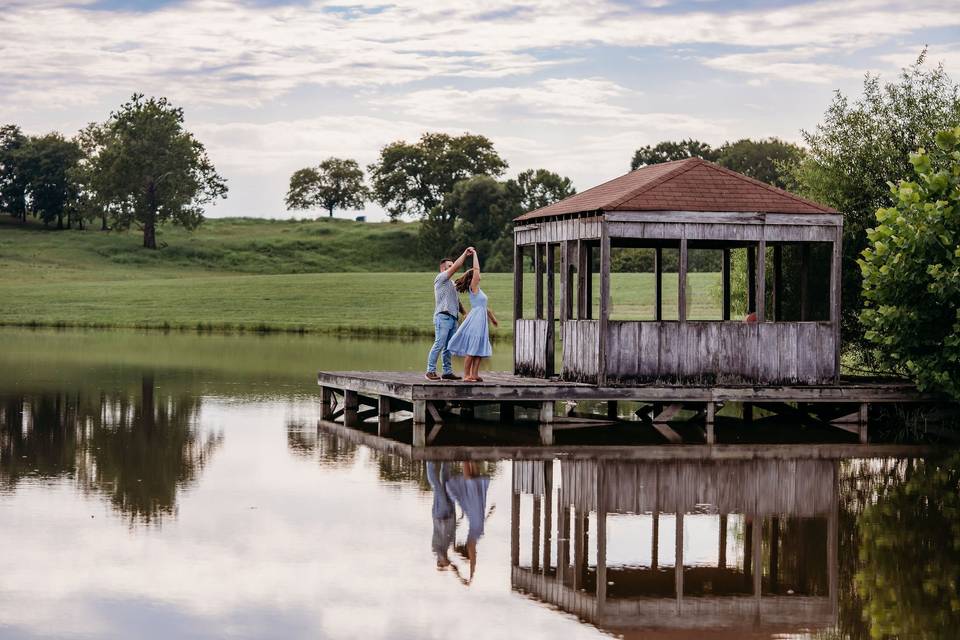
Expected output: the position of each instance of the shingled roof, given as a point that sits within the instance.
(692, 184)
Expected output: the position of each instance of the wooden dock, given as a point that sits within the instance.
(355, 396)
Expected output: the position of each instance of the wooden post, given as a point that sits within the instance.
(547, 514)
(514, 526)
(722, 563)
(579, 548)
(762, 281)
(535, 542)
(658, 284)
(748, 412)
(601, 538)
(751, 279)
(835, 299)
(563, 539)
(612, 412)
(862, 423)
(725, 284)
(517, 298)
(655, 541)
(538, 251)
(678, 565)
(778, 283)
(350, 405)
(582, 277)
(757, 560)
(682, 290)
(550, 361)
(588, 298)
(546, 422)
(774, 553)
(419, 423)
(383, 415)
(604, 302)
(833, 543)
(711, 416)
(506, 413)
(326, 403)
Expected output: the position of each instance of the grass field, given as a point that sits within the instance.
(324, 276)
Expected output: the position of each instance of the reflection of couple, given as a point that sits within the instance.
(472, 339)
(468, 490)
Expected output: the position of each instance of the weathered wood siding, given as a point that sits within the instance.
(731, 352)
(581, 350)
(530, 347)
(802, 488)
(587, 228)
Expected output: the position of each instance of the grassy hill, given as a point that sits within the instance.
(332, 276)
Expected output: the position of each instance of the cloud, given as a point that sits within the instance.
(801, 64)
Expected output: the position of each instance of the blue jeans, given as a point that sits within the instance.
(443, 328)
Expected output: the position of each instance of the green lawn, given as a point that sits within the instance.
(322, 276)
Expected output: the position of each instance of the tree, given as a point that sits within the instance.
(763, 160)
(47, 162)
(911, 273)
(13, 182)
(335, 183)
(412, 179)
(669, 150)
(540, 187)
(151, 169)
(862, 144)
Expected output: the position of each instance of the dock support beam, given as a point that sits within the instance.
(711, 416)
(326, 403)
(546, 422)
(350, 405)
(419, 423)
(506, 412)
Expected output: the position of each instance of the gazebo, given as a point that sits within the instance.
(787, 334)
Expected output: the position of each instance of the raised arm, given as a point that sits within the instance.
(456, 264)
(475, 282)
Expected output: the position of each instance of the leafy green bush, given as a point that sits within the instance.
(911, 272)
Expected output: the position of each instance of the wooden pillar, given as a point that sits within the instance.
(582, 278)
(835, 298)
(326, 403)
(563, 537)
(550, 360)
(419, 423)
(517, 297)
(805, 282)
(678, 565)
(722, 564)
(506, 413)
(682, 279)
(579, 548)
(774, 553)
(711, 416)
(588, 273)
(751, 279)
(756, 549)
(601, 538)
(538, 251)
(350, 405)
(658, 284)
(535, 542)
(514, 527)
(748, 412)
(862, 423)
(604, 302)
(655, 540)
(612, 410)
(546, 422)
(833, 543)
(547, 514)
(762, 281)
(725, 284)
(778, 283)
(383, 415)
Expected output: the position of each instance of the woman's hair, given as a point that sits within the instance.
(463, 282)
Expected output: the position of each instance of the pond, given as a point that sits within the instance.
(177, 485)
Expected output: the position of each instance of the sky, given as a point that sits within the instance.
(574, 86)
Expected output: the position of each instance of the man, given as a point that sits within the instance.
(446, 307)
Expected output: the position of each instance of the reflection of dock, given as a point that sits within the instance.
(783, 577)
(353, 396)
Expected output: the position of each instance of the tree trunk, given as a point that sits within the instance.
(103, 221)
(59, 221)
(150, 233)
(330, 209)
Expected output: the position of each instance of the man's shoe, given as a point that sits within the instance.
(432, 376)
(450, 376)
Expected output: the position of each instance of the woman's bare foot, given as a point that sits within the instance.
(471, 379)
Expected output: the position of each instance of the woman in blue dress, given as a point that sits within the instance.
(472, 339)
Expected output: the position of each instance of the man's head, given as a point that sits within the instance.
(446, 263)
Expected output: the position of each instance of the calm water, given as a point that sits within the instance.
(161, 486)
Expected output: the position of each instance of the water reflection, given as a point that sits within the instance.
(138, 451)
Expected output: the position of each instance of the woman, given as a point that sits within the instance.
(472, 339)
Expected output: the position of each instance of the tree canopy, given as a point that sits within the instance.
(537, 188)
(48, 162)
(860, 146)
(336, 183)
(13, 175)
(764, 160)
(669, 150)
(911, 272)
(151, 169)
(412, 179)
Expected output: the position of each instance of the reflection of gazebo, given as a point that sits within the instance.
(785, 579)
(679, 207)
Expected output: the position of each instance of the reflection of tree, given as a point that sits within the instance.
(140, 451)
(909, 572)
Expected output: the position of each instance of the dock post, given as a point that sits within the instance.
(419, 423)
(612, 413)
(862, 423)
(546, 422)
(514, 518)
(748, 412)
(506, 413)
(711, 416)
(601, 539)
(350, 405)
(326, 403)
(383, 415)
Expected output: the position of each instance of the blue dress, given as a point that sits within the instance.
(473, 336)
